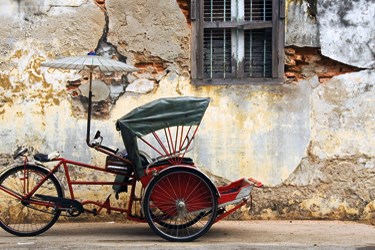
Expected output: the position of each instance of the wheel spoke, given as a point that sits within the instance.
(171, 202)
(20, 218)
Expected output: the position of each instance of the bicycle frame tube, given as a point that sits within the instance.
(62, 162)
(65, 163)
(15, 195)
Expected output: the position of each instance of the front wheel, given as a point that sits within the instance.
(180, 205)
(32, 216)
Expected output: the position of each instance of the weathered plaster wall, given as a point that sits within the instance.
(343, 109)
(272, 116)
(301, 24)
(34, 104)
(308, 140)
(346, 31)
(336, 178)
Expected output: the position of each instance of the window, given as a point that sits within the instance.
(237, 41)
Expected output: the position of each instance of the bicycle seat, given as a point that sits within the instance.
(41, 157)
(45, 157)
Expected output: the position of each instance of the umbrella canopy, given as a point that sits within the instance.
(90, 62)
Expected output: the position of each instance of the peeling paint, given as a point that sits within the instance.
(301, 23)
(333, 194)
(5, 82)
(346, 31)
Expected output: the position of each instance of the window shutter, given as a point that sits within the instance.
(258, 10)
(258, 53)
(217, 10)
(238, 41)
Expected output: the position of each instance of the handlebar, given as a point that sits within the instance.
(97, 135)
(97, 139)
(20, 151)
(97, 143)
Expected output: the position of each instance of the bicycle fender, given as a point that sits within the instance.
(185, 167)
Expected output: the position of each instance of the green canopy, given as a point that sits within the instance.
(156, 115)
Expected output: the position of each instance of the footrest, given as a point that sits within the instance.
(237, 191)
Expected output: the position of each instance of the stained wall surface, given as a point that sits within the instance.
(308, 140)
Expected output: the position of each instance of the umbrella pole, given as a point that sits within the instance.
(89, 113)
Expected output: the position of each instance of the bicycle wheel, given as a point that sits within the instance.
(180, 205)
(188, 223)
(25, 217)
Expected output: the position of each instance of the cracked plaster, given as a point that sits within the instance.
(343, 29)
(347, 31)
(149, 27)
(301, 25)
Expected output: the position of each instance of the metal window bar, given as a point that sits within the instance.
(221, 43)
(224, 50)
(211, 49)
(258, 10)
(251, 55)
(211, 53)
(215, 10)
(225, 10)
(258, 58)
(264, 10)
(216, 59)
(224, 41)
(251, 10)
(217, 53)
(264, 56)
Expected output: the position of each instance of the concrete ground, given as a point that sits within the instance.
(223, 235)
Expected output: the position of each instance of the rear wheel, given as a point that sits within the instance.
(180, 205)
(23, 217)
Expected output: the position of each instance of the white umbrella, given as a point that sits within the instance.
(92, 63)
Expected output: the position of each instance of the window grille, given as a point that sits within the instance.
(238, 40)
(258, 53)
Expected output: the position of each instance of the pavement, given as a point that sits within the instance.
(222, 235)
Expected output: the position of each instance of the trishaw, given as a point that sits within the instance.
(176, 199)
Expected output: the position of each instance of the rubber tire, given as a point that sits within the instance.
(52, 182)
(160, 227)
(185, 225)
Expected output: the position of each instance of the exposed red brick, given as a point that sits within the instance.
(290, 51)
(146, 66)
(74, 93)
(184, 6)
(301, 63)
(290, 74)
(146, 62)
(101, 3)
